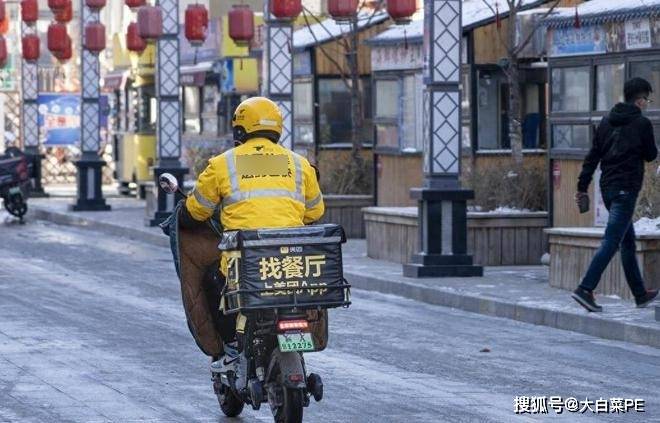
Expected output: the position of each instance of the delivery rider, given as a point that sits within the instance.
(257, 184)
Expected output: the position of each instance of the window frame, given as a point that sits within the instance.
(593, 117)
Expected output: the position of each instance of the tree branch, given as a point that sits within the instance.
(331, 59)
(490, 6)
(519, 48)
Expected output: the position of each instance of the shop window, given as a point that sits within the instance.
(570, 89)
(571, 137)
(334, 117)
(388, 98)
(466, 111)
(649, 70)
(303, 133)
(303, 100)
(191, 110)
(387, 135)
(492, 117)
(609, 85)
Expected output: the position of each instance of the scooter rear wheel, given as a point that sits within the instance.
(291, 410)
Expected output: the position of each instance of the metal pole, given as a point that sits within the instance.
(442, 201)
(90, 165)
(29, 117)
(278, 70)
(169, 110)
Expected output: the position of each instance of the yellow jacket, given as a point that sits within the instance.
(258, 184)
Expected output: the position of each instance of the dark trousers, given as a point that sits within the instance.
(619, 233)
(225, 324)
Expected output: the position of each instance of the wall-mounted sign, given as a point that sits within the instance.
(578, 41)
(638, 34)
(397, 57)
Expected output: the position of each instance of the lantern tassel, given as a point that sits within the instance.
(577, 22)
(498, 21)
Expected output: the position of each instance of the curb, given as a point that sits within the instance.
(574, 322)
(68, 219)
(580, 323)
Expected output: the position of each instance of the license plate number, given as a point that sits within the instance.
(14, 190)
(295, 341)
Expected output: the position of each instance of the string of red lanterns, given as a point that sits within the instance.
(31, 47)
(286, 9)
(134, 42)
(196, 24)
(150, 22)
(30, 11)
(241, 24)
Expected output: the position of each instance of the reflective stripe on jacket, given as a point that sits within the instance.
(258, 184)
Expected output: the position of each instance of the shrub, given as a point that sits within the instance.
(509, 185)
(649, 197)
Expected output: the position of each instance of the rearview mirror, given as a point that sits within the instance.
(168, 183)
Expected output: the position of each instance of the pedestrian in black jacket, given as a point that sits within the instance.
(623, 141)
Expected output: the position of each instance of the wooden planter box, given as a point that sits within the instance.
(571, 251)
(500, 239)
(346, 210)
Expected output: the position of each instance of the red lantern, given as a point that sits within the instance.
(95, 4)
(64, 15)
(30, 11)
(241, 24)
(56, 5)
(3, 10)
(197, 22)
(401, 11)
(95, 37)
(286, 9)
(31, 47)
(150, 22)
(3, 51)
(67, 52)
(133, 4)
(342, 10)
(134, 42)
(57, 36)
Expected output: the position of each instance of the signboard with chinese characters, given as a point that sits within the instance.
(573, 41)
(279, 272)
(397, 57)
(638, 34)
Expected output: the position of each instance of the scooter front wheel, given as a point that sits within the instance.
(230, 404)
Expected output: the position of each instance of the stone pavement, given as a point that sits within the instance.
(518, 293)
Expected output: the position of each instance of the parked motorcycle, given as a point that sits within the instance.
(280, 283)
(15, 171)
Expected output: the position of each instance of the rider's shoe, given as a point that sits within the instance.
(232, 361)
(228, 361)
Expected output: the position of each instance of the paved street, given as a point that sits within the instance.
(92, 330)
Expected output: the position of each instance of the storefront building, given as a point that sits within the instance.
(397, 61)
(589, 64)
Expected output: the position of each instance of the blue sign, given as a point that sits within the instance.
(578, 41)
(59, 118)
(227, 76)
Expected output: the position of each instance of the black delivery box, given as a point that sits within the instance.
(284, 268)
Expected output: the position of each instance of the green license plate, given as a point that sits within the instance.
(14, 190)
(296, 341)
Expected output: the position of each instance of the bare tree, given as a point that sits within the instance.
(356, 171)
(511, 69)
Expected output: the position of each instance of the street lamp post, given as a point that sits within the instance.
(169, 110)
(442, 202)
(278, 70)
(90, 165)
(29, 116)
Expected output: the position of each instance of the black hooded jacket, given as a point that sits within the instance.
(623, 141)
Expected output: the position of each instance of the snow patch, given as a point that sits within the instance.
(646, 225)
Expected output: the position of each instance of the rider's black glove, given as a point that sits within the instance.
(186, 221)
